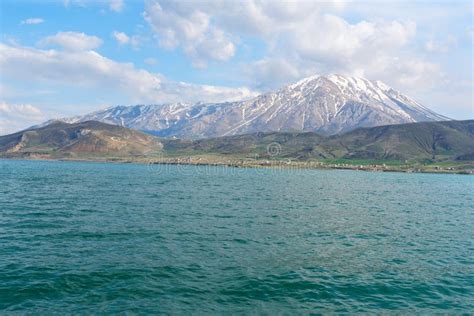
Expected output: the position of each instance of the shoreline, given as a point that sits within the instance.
(262, 164)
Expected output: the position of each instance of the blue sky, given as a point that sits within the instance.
(63, 58)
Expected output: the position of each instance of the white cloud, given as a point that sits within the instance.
(302, 37)
(191, 30)
(14, 117)
(116, 5)
(113, 5)
(277, 42)
(151, 61)
(409, 73)
(87, 69)
(280, 70)
(32, 21)
(339, 41)
(470, 34)
(72, 41)
(434, 46)
(79, 3)
(395, 43)
(210, 30)
(441, 46)
(121, 37)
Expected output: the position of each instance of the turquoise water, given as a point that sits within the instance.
(108, 238)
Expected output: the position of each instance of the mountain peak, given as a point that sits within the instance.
(343, 82)
(347, 85)
(326, 104)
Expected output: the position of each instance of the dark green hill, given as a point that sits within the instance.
(435, 141)
(257, 143)
(428, 141)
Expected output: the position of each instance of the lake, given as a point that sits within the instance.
(108, 238)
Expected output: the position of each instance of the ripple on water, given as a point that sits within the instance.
(112, 238)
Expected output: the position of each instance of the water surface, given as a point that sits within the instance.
(97, 237)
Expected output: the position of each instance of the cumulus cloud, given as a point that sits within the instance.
(440, 46)
(88, 69)
(116, 5)
(191, 29)
(32, 21)
(302, 38)
(14, 117)
(280, 70)
(72, 41)
(121, 37)
(210, 30)
(338, 41)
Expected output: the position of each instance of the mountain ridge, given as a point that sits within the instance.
(447, 141)
(423, 141)
(326, 104)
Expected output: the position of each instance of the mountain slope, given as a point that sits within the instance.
(328, 105)
(425, 141)
(84, 138)
(434, 141)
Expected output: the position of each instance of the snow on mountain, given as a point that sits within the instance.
(326, 104)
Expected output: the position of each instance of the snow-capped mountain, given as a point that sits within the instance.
(326, 104)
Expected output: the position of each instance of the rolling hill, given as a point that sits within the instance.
(80, 139)
(435, 141)
(426, 141)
